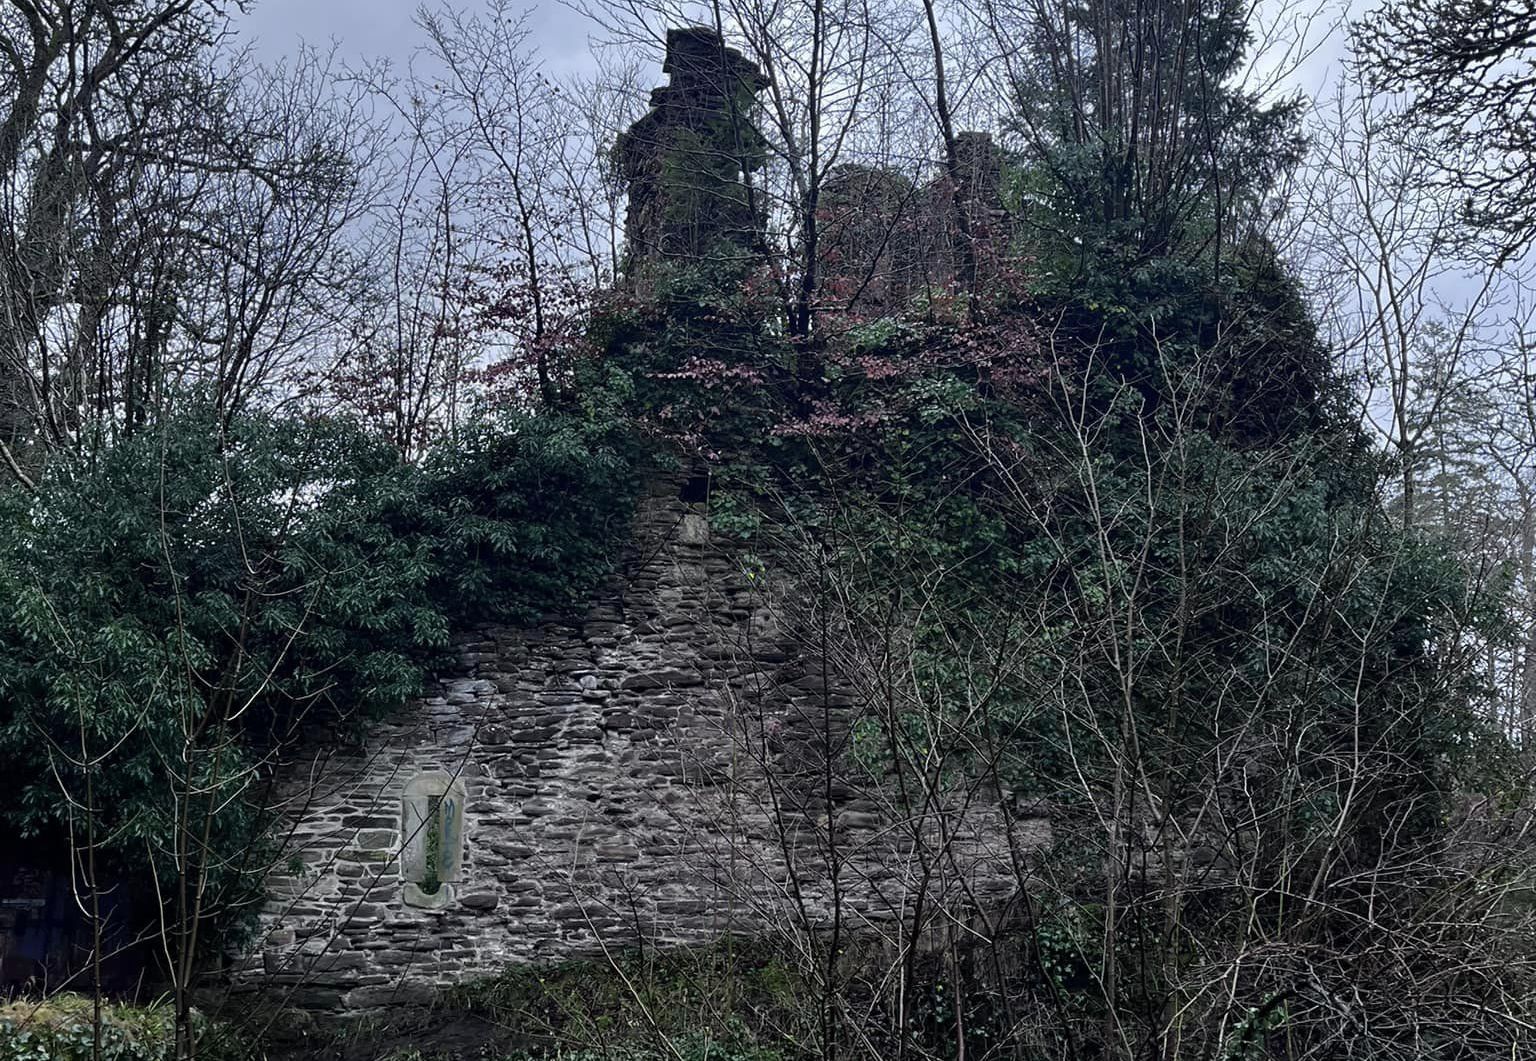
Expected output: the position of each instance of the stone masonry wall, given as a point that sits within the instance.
(670, 769)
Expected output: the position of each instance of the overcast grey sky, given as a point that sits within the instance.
(370, 29)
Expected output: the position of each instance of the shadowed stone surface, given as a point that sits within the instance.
(687, 160)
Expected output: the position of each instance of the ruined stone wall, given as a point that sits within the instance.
(887, 239)
(616, 777)
(687, 159)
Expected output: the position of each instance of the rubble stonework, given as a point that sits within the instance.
(614, 776)
(690, 159)
(870, 238)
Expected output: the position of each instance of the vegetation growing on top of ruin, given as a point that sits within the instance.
(1108, 533)
(1125, 541)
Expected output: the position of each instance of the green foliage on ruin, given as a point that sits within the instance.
(184, 606)
(1115, 515)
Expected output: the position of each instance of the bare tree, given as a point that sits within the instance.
(1398, 304)
(172, 216)
(1471, 72)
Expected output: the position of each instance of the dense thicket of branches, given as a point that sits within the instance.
(1113, 538)
(173, 216)
(1471, 72)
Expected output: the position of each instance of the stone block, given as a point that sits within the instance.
(377, 839)
(404, 993)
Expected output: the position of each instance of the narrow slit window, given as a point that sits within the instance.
(432, 826)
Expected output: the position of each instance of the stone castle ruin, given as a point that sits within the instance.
(670, 768)
(692, 164)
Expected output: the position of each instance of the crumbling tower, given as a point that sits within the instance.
(688, 160)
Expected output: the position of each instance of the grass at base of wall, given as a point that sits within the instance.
(736, 1000)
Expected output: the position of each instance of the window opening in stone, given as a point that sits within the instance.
(430, 881)
(432, 815)
(695, 490)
